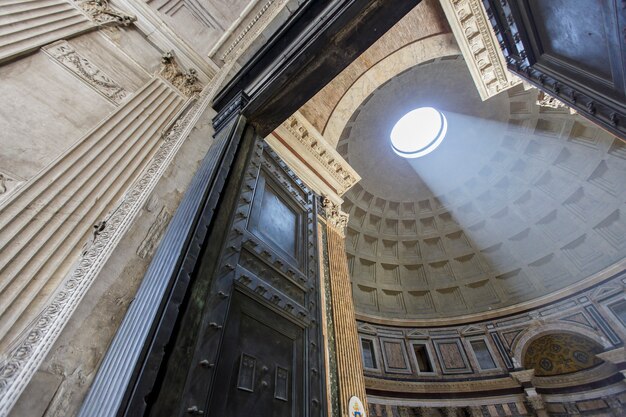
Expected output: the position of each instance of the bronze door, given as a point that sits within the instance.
(260, 369)
(249, 342)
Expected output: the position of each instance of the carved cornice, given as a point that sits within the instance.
(319, 148)
(185, 81)
(479, 45)
(103, 14)
(334, 216)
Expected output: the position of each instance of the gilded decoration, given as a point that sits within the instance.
(557, 354)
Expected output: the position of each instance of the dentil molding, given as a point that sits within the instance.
(480, 48)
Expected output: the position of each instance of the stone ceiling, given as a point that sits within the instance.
(520, 205)
(425, 20)
(519, 202)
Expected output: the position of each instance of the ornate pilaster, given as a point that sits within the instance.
(348, 352)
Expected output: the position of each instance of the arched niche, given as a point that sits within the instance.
(561, 353)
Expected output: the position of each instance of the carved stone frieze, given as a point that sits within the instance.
(103, 14)
(310, 143)
(63, 53)
(479, 45)
(186, 82)
(334, 216)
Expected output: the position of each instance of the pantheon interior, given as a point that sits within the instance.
(309, 208)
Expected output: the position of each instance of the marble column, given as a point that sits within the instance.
(349, 365)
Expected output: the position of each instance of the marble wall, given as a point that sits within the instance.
(565, 358)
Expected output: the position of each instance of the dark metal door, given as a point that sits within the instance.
(249, 341)
(261, 367)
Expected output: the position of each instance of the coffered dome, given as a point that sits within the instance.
(518, 203)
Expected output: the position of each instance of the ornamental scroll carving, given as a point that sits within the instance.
(103, 14)
(334, 216)
(63, 53)
(186, 82)
(8, 184)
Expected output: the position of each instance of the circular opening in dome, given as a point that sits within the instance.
(418, 132)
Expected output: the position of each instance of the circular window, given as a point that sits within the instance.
(418, 132)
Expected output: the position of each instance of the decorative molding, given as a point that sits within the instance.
(334, 216)
(103, 14)
(186, 82)
(27, 26)
(314, 159)
(480, 48)
(27, 352)
(247, 28)
(469, 385)
(63, 53)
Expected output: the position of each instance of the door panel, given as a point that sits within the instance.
(255, 325)
(261, 366)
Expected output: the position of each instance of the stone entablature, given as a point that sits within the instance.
(479, 46)
(314, 160)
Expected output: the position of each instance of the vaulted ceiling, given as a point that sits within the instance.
(520, 203)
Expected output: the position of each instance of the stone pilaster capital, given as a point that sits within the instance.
(334, 216)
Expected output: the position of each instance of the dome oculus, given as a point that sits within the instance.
(418, 132)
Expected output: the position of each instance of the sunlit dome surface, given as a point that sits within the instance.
(418, 132)
(517, 204)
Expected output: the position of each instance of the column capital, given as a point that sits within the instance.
(334, 216)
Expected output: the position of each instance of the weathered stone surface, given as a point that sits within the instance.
(75, 356)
